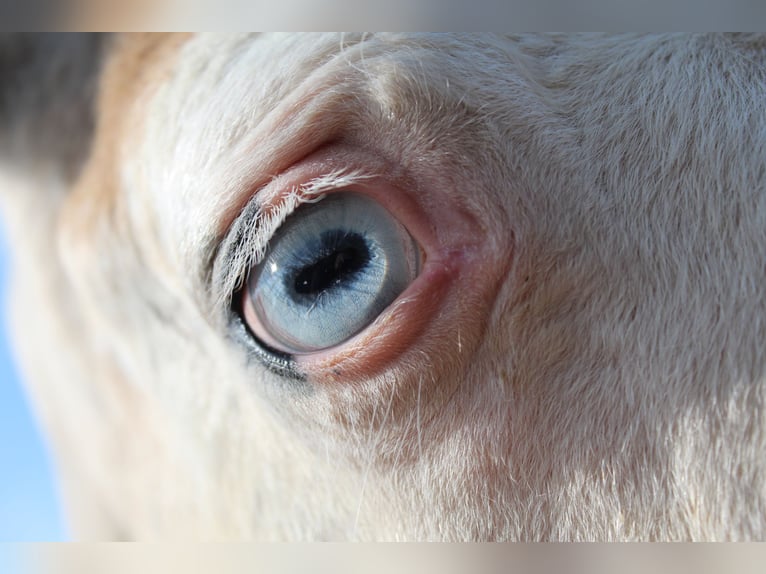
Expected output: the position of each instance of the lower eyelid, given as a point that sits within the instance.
(443, 311)
(392, 333)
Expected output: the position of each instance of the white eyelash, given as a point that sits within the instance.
(242, 254)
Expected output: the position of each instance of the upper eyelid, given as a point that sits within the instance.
(247, 238)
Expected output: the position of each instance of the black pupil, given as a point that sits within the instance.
(341, 256)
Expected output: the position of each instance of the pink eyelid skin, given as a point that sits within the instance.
(456, 256)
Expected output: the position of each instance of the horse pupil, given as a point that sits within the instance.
(342, 256)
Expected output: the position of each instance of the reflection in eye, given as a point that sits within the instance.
(329, 271)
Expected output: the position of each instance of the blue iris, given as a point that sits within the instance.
(330, 270)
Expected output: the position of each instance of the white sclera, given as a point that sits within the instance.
(301, 323)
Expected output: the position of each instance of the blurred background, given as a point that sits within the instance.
(411, 15)
(28, 506)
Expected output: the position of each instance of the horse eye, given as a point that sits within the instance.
(328, 272)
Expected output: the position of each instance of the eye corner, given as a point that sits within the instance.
(277, 362)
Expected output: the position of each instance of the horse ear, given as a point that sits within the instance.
(48, 85)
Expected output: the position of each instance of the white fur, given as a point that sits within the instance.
(611, 388)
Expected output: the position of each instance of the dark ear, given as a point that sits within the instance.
(47, 94)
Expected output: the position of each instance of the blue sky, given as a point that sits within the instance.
(28, 505)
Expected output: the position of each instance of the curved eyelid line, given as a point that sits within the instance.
(245, 243)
